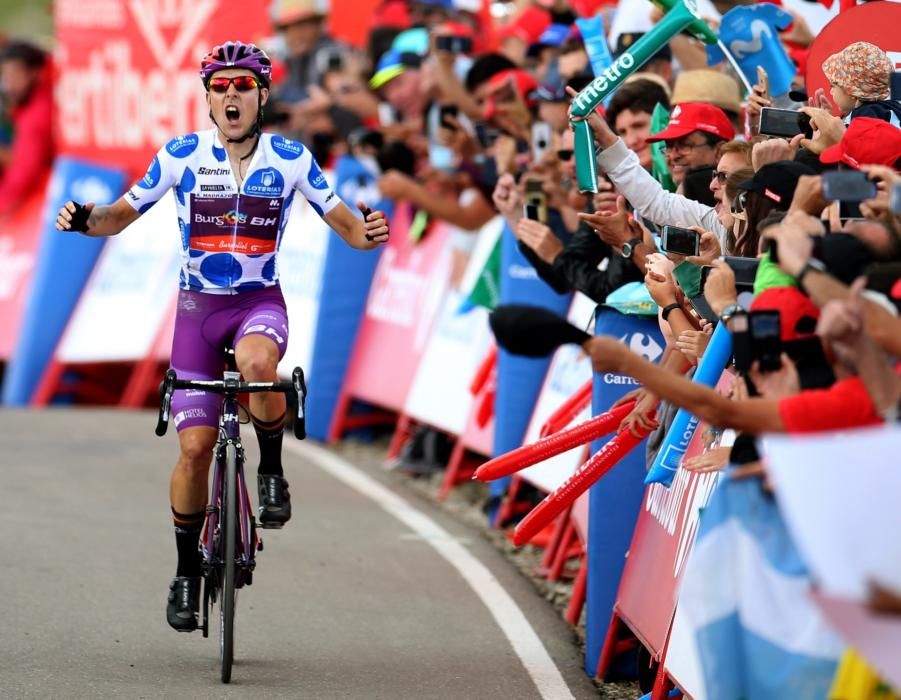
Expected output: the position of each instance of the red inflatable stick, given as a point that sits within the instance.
(527, 455)
(599, 464)
(567, 412)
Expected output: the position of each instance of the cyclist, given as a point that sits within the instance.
(234, 186)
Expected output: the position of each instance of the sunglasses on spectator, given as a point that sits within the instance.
(565, 154)
(242, 83)
(719, 176)
(677, 146)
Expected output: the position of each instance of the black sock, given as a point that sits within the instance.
(269, 436)
(187, 539)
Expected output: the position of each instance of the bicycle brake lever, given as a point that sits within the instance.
(166, 389)
(300, 388)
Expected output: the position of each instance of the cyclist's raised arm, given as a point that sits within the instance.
(359, 233)
(105, 220)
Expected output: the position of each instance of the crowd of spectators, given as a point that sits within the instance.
(794, 243)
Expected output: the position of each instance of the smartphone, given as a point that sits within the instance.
(745, 271)
(448, 111)
(535, 206)
(542, 137)
(454, 44)
(329, 60)
(766, 339)
(894, 199)
(848, 186)
(784, 122)
(681, 241)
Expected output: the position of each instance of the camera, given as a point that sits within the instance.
(766, 339)
(454, 44)
(848, 186)
(681, 241)
(784, 122)
(535, 206)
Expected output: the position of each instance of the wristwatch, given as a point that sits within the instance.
(628, 248)
(730, 311)
(811, 264)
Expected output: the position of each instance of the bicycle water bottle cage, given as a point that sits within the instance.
(80, 218)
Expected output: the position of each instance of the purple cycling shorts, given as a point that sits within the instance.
(207, 324)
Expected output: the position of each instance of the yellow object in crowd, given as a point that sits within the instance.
(855, 680)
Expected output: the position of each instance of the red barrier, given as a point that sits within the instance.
(599, 464)
(569, 410)
(527, 455)
(20, 237)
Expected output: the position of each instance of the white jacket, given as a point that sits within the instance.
(648, 197)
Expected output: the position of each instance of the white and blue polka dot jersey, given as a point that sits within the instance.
(230, 236)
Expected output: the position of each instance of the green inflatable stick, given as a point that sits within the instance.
(681, 14)
(659, 169)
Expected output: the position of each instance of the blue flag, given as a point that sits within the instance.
(751, 33)
(592, 31)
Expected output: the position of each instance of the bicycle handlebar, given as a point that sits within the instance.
(233, 387)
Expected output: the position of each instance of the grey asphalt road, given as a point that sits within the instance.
(346, 603)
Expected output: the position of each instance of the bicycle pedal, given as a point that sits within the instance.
(259, 545)
(271, 526)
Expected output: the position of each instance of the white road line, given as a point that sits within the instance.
(509, 617)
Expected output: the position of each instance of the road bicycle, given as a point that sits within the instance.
(229, 540)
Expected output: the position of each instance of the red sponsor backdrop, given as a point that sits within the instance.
(128, 71)
(875, 22)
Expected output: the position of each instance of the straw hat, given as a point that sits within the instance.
(711, 86)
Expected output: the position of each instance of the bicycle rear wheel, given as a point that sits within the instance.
(228, 523)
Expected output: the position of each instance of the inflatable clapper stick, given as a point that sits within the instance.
(680, 14)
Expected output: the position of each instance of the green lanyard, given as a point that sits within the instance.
(681, 14)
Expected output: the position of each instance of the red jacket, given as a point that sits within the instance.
(32, 145)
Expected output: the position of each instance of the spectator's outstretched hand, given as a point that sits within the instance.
(540, 239)
(506, 197)
(709, 249)
(614, 229)
(829, 130)
(720, 290)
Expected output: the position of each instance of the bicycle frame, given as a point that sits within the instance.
(249, 542)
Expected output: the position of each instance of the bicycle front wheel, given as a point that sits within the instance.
(229, 524)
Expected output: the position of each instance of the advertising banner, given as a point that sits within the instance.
(64, 262)
(405, 298)
(519, 378)
(128, 297)
(615, 500)
(128, 72)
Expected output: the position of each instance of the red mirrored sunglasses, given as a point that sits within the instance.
(242, 83)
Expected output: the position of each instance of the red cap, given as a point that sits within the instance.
(530, 25)
(867, 141)
(524, 83)
(794, 307)
(687, 117)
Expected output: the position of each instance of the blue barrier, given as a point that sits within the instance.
(346, 276)
(677, 439)
(615, 500)
(64, 262)
(518, 378)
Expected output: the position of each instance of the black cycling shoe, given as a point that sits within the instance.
(184, 603)
(275, 501)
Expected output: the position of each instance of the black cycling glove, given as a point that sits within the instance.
(80, 218)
